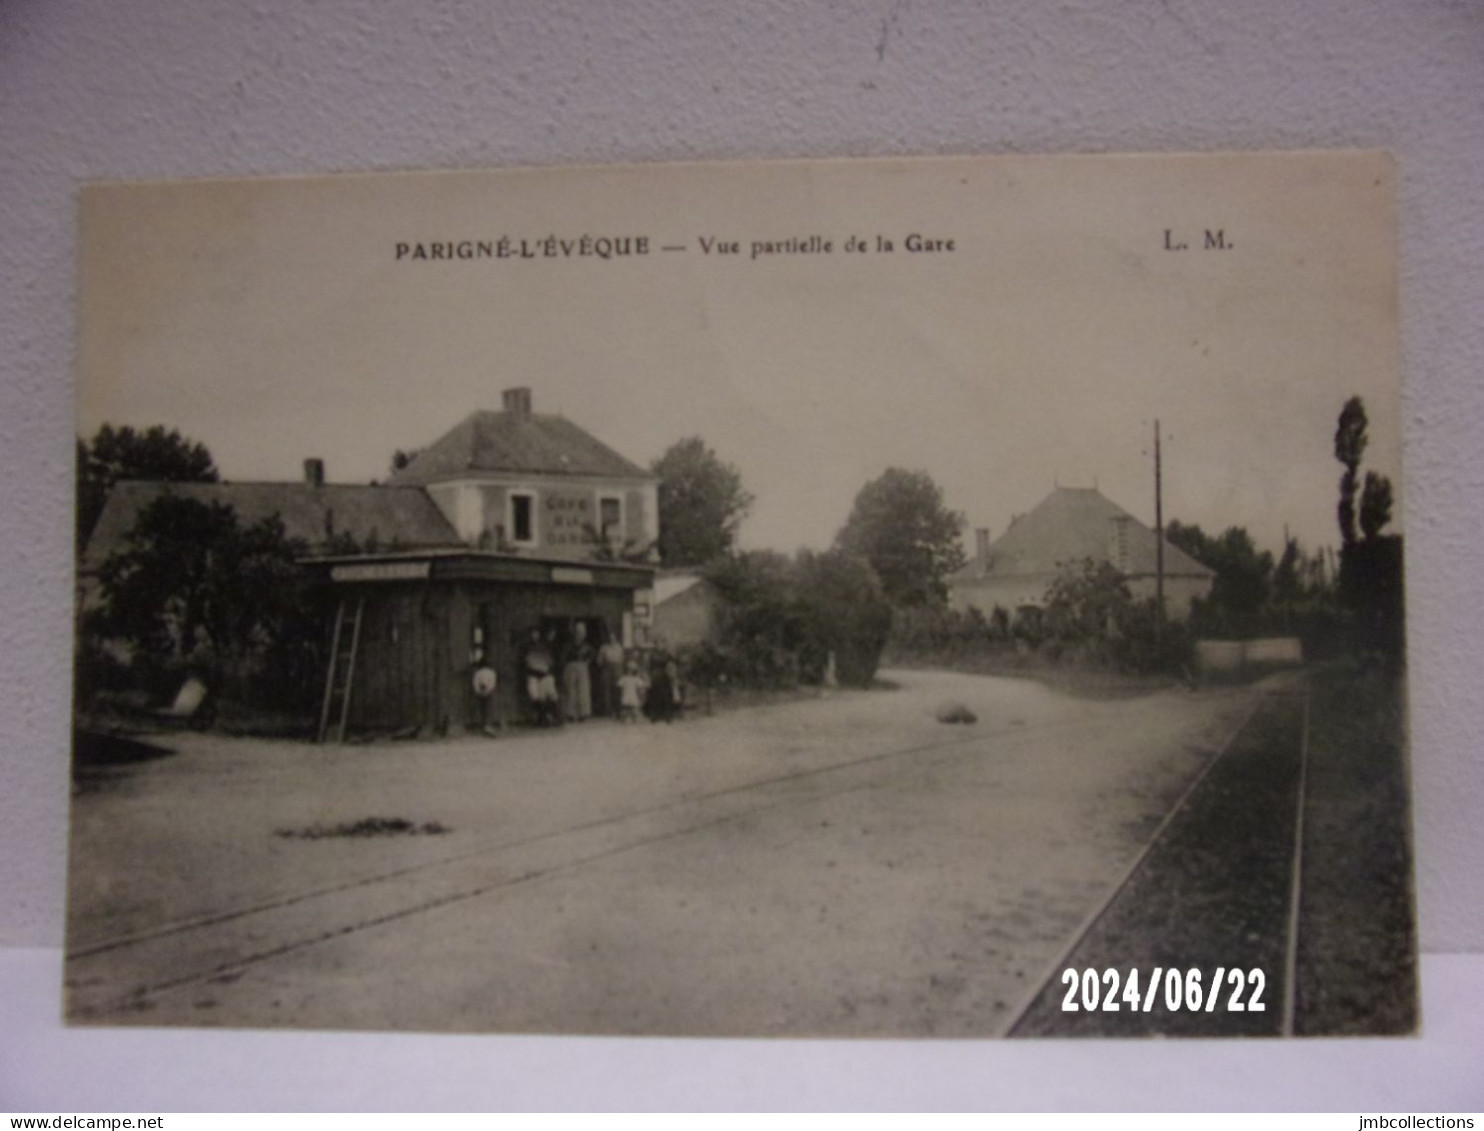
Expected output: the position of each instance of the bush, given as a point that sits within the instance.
(1371, 590)
(782, 619)
(1087, 603)
(842, 610)
(935, 631)
(1092, 620)
(1140, 649)
(755, 663)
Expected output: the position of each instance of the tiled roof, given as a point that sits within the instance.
(516, 442)
(1068, 526)
(403, 516)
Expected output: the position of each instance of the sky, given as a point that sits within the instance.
(278, 319)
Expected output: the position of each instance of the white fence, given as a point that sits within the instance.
(1232, 655)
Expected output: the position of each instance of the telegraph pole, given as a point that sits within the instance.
(1159, 543)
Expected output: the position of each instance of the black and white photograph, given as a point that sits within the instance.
(914, 597)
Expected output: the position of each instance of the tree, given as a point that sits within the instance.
(1190, 538)
(1375, 505)
(123, 453)
(1350, 445)
(759, 622)
(1087, 602)
(1376, 498)
(191, 583)
(900, 525)
(1244, 574)
(1092, 617)
(757, 587)
(1370, 565)
(1288, 578)
(701, 504)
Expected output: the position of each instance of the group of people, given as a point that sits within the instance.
(564, 678)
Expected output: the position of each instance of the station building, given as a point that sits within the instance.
(512, 521)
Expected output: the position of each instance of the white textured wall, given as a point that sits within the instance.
(192, 88)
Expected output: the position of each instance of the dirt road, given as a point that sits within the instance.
(840, 866)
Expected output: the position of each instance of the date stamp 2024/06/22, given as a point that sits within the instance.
(1172, 989)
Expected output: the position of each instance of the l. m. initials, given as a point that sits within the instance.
(1215, 240)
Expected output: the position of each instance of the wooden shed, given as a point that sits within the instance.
(410, 629)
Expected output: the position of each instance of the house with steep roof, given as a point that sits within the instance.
(1069, 526)
(536, 483)
(511, 523)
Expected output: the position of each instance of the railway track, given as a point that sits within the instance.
(1217, 889)
(117, 977)
(124, 978)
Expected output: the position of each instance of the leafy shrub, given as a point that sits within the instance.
(1088, 602)
(1139, 648)
(929, 630)
(782, 619)
(842, 610)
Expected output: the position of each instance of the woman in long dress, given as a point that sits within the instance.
(541, 688)
(611, 660)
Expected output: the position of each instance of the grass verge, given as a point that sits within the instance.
(1357, 957)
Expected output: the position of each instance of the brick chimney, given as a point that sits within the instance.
(518, 402)
(981, 549)
(1118, 535)
(314, 472)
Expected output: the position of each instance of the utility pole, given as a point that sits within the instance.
(1159, 544)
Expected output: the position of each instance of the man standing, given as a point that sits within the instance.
(577, 676)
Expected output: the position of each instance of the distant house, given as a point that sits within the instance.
(685, 610)
(1071, 525)
(511, 522)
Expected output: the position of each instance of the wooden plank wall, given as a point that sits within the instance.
(414, 667)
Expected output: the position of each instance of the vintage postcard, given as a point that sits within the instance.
(942, 597)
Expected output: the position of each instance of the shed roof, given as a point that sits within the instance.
(1072, 524)
(669, 586)
(542, 443)
(403, 516)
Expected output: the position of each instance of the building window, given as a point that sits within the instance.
(610, 516)
(522, 524)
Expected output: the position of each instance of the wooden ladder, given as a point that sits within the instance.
(341, 676)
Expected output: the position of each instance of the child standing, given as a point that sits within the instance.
(631, 689)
